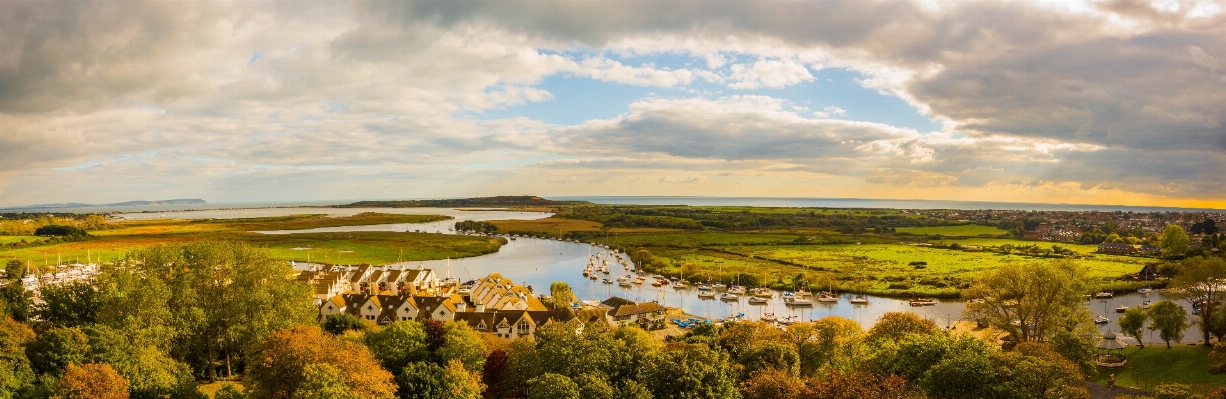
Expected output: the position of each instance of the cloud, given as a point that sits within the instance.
(686, 179)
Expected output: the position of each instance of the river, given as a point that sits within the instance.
(538, 262)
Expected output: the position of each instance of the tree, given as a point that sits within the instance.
(856, 385)
(14, 270)
(68, 305)
(422, 380)
(561, 295)
(896, 325)
(321, 381)
(219, 298)
(1201, 279)
(592, 386)
(552, 386)
(339, 323)
(493, 371)
(1031, 301)
(772, 384)
(1077, 348)
(1217, 359)
(834, 344)
(91, 381)
(463, 344)
(962, 375)
(523, 364)
(1132, 323)
(1174, 242)
(15, 371)
(16, 302)
(915, 354)
(770, 356)
(228, 391)
(1170, 319)
(277, 364)
(461, 383)
(398, 344)
(57, 348)
(689, 371)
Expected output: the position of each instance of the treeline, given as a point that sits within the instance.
(692, 218)
(500, 201)
(150, 326)
(477, 226)
(26, 224)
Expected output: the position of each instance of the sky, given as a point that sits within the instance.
(1094, 102)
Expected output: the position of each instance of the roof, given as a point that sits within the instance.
(641, 308)
(1111, 342)
(390, 304)
(614, 302)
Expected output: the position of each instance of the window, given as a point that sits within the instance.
(523, 327)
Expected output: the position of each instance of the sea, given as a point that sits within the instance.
(778, 202)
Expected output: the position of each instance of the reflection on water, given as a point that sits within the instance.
(539, 262)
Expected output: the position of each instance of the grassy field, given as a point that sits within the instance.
(8, 239)
(1156, 365)
(351, 247)
(556, 226)
(970, 230)
(816, 253)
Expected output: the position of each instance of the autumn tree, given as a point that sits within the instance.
(834, 344)
(1170, 319)
(896, 325)
(856, 385)
(1201, 279)
(15, 371)
(774, 384)
(277, 365)
(1029, 301)
(91, 381)
(493, 371)
(321, 381)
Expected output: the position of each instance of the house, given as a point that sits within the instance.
(1115, 248)
(635, 313)
(1149, 272)
(1150, 250)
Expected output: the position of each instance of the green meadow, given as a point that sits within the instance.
(969, 230)
(349, 247)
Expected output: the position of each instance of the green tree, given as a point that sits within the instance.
(592, 386)
(321, 381)
(915, 354)
(1170, 319)
(688, 371)
(553, 386)
(57, 348)
(833, 344)
(73, 304)
(1174, 242)
(1201, 279)
(398, 344)
(770, 356)
(463, 344)
(15, 302)
(1077, 348)
(14, 270)
(523, 364)
(1030, 301)
(339, 323)
(561, 295)
(1132, 324)
(961, 375)
(228, 391)
(421, 380)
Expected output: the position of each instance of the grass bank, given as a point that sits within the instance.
(1157, 365)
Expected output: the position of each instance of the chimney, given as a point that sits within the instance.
(460, 307)
(480, 308)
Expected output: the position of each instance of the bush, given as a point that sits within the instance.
(59, 231)
(1175, 391)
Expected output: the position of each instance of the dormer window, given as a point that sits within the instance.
(523, 327)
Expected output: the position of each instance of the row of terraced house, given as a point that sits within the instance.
(491, 305)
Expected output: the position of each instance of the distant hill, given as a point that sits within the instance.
(128, 203)
(501, 201)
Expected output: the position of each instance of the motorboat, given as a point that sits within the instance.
(1101, 320)
(757, 301)
(923, 302)
(859, 300)
(1145, 290)
(1121, 309)
(1104, 295)
(827, 297)
(728, 296)
(706, 294)
(799, 302)
(768, 317)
